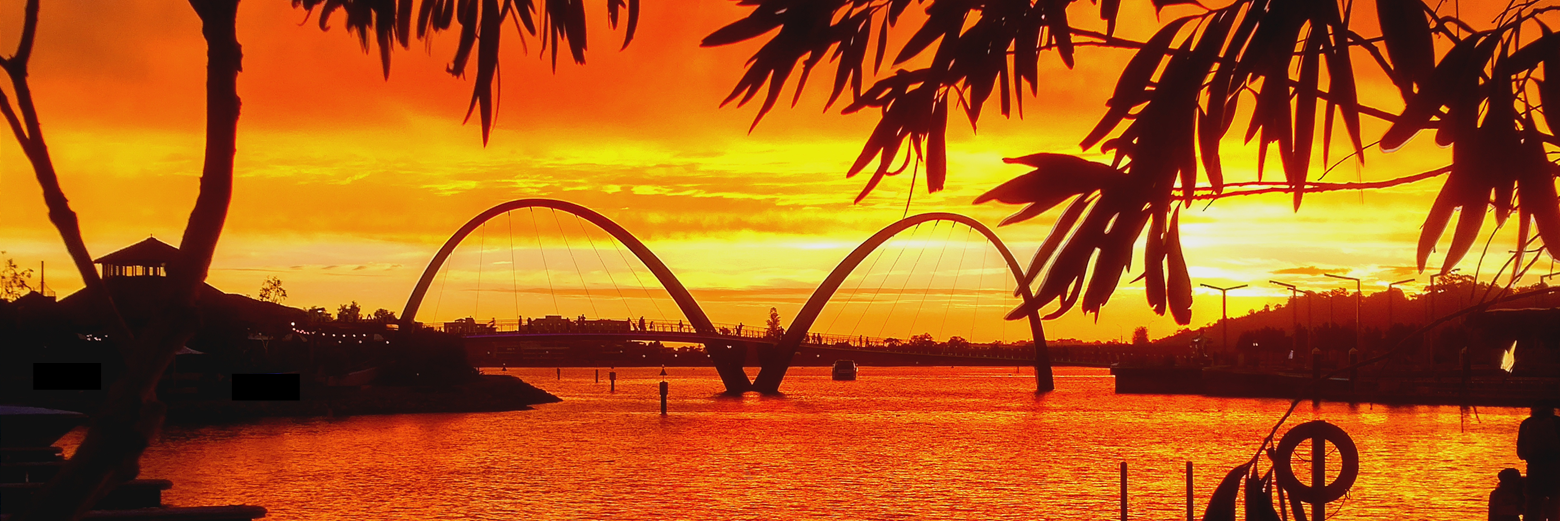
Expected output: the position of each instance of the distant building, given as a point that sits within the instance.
(468, 326)
(550, 324)
(605, 325)
(558, 324)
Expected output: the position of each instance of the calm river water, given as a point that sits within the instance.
(900, 443)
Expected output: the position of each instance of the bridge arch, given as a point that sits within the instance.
(727, 359)
(777, 361)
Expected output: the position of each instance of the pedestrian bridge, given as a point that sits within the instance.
(727, 345)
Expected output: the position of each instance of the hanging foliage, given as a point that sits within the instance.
(1290, 62)
(480, 24)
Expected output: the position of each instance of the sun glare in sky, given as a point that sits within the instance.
(347, 183)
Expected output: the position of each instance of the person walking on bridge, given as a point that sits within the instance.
(1538, 443)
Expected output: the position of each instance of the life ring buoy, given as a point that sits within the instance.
(1284, 470)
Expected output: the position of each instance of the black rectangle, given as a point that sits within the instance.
(67, 376)
(267, 387)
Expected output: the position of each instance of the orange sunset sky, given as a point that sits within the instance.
(346, 184)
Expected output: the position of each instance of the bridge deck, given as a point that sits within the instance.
(691, 337)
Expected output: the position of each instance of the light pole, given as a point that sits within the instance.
(1358, 295)
(1224, 294)
(1294, 311)
(1310, 319)
(1389, 299)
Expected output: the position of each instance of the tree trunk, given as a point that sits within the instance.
(131, 415)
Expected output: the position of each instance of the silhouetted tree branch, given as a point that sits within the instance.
(29, 135)
(480, 24)
(131, 415)
(1207, 194)
(1174, 104)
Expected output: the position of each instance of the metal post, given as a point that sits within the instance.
(598, 376)
(612, 376)
(664, 391)
(1189, 514)
(1123, 491)
(1359, 293)
(560, 373)
(1224, 294)
(1310, 319)
(1294, 312)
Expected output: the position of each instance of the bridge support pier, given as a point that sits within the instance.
(772, 363)
(728, 359)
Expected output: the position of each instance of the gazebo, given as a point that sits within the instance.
(148, 258)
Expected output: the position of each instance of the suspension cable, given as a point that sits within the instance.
(481, 251)
(604, 268)
(931, 279)
(514, 290)
(884, 280)
(985, 255)
(920, 252)
(621, 255)
(852, 294)
(444, 281)
(550, 291)
(576, 263)
(964, 251)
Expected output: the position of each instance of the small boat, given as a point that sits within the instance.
(844, 370)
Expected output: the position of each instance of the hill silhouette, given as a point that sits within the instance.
(1326, 321)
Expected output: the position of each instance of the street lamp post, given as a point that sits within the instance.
(1294, 311)
(1310, 319)
(1389, 300)
(1224, 300)
(1358, 295)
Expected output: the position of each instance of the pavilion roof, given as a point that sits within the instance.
(150, 252)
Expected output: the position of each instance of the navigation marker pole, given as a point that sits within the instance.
(665, 389)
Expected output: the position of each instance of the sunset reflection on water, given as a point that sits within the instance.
(900, 443)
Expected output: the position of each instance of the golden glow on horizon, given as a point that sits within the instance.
(346, 184)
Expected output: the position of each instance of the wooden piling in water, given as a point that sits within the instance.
(1123, 491)
(1189, 512)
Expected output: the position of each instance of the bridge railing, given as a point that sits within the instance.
(742, 331)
